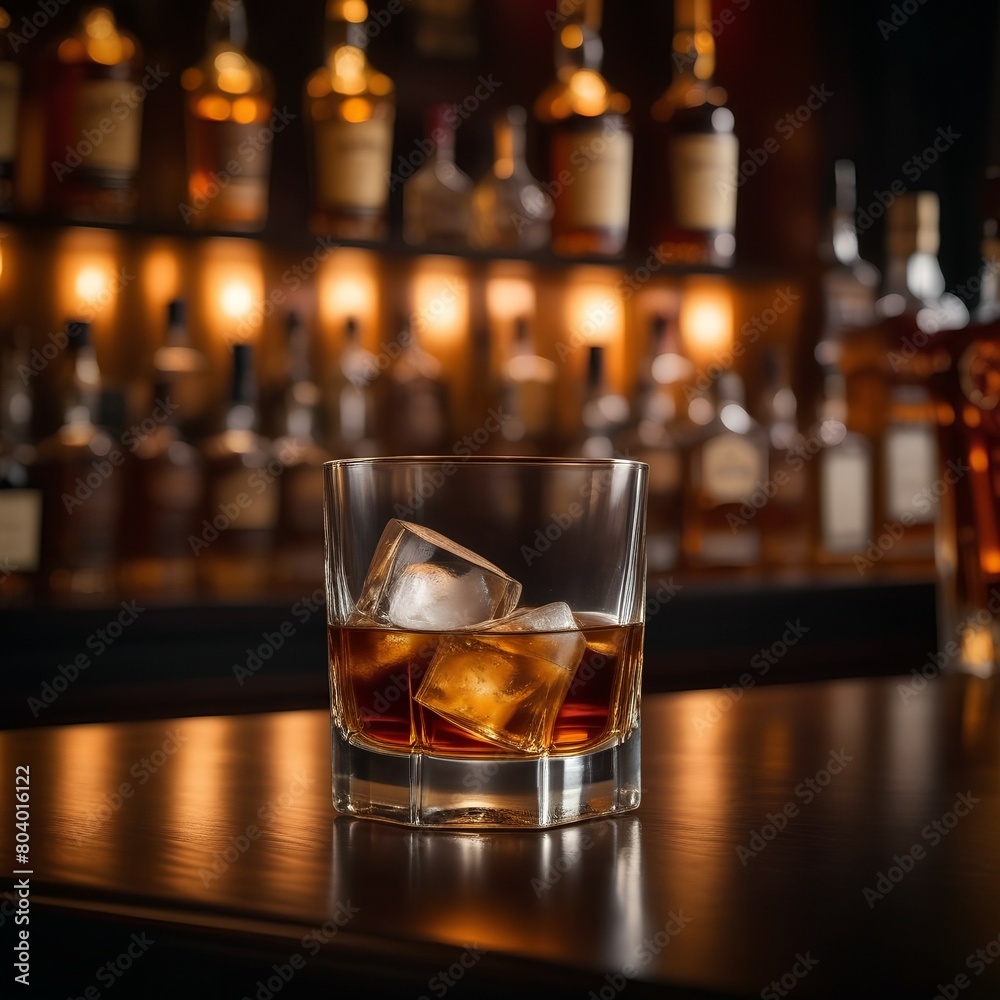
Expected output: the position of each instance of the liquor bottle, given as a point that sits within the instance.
(20, 504)
(184, 369)
(657, 434)
(783, 517)
(93, 120)
(965, 373)
(727, 470)
(988, 306)
(603, 412)
(511, 211)
(10, 91)
(915, 307)
(353, 397)
(841, 481)
(914, 286)
(701, 149)
(228, 101)
(234, 540)
(848, 284)
(350, 108)
(164, 481)
(526, 397)
(590, 142)
(437, 199)
(78, 471)
(297, 565)
(416, 415)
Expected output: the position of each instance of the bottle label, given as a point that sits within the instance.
(244, 167)
(247, 499)
(731, 468)
(10, 79)
(911, 468)
(20, 521)
(108, 126)
(703, 171)
(845, 500)
(352, 163)
(594, 168)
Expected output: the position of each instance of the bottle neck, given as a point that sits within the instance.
(84, 396)
(693, 43)
(508, 146)
(242, 413)
(578, 41)
(227, 27)
(345, 24)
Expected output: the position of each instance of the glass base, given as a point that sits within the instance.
(420, 789)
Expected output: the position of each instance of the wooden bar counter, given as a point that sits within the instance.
(833, 839)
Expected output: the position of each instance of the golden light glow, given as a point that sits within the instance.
(594, 314)
(380, 85)
(236, 300)
(441, 303)
(91, 283)
(244, 110)
(356, 109)
(348, 69)
(509, 298)
(160, 279)
(104, 44)
(978, 458)
(978, 649)
(588, 92)
(706, 320)
(991, 561)
(571, 37)
(88, 277)
(232, 289)
(234, 73)
(348, 286)
(354, 11)
(213, 107)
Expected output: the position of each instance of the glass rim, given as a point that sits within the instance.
(542, 461)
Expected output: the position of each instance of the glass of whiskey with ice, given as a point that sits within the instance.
(485, 625)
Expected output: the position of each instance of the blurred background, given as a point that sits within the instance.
(727, 238)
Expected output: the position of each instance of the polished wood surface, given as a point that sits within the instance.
(767, 813)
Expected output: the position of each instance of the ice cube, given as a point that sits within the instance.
(507, 684)
(419, 579)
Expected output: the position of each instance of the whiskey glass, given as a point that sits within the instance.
(485, 620)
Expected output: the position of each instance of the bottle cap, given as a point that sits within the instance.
(78, 333)
(176, 312)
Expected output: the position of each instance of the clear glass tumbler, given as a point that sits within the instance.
(485, 622)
